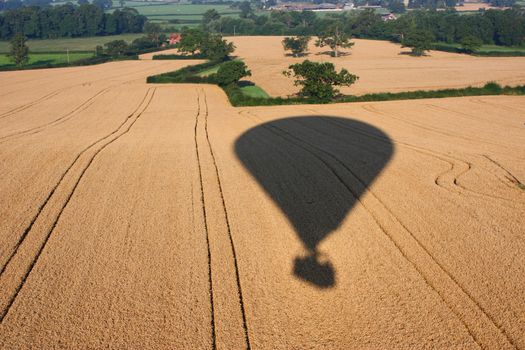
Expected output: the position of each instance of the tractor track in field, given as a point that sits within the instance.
(228, 225)
(307, 146)
(439, 179)
(510, 109)
(53, 190)
(453, 163)
(123, 130)
(374, 110)
(34, 130)
(56, 92)
(30, 104)
(68, 87)
(509, 176)
(467, 115)
(203, 208)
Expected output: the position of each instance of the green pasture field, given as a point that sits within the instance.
(40, 59)
(181, 10)
(71, 44)
(186, 15)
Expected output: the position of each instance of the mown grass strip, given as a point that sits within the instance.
(254, 91)
(209, 71)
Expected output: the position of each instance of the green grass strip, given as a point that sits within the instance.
(254, 91)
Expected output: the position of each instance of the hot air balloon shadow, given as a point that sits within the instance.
(302, 163)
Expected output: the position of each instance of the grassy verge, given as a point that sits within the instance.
(252, 95)
(209, 71)
(254, 91)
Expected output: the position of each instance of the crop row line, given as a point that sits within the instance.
(123, 129)
(83, 106)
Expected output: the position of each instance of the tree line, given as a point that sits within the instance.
(499, 27)
(68, 20)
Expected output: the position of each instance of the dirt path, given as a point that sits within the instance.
(157, 216)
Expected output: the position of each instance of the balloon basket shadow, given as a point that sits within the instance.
(315, 270)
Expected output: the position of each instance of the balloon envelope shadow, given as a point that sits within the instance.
(304, 163)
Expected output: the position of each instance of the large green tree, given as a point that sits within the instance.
(246, 9)
(116, 47)
(419, 41)
(334, 38)
(191, 40)
(153, 32)
(231, 72)
(215, 47)
(210, 19)
(19, 52)
(210, 15)
(319, 80)
(297, 45)
(470, 43)
(210, 45)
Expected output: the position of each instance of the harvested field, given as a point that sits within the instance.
(380, 66)
(159, 217)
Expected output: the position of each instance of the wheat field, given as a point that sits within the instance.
(145, 216)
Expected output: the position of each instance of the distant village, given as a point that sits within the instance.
(328, 7)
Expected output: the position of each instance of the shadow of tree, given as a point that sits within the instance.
(304, 164)
(306, 54)
(244, 83)
(332, 54)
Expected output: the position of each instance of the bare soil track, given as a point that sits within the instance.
(159, 217)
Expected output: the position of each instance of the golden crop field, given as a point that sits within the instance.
(381, 66)
(143, 216)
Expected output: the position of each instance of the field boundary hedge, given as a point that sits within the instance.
(239, 99)
(179, 57)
